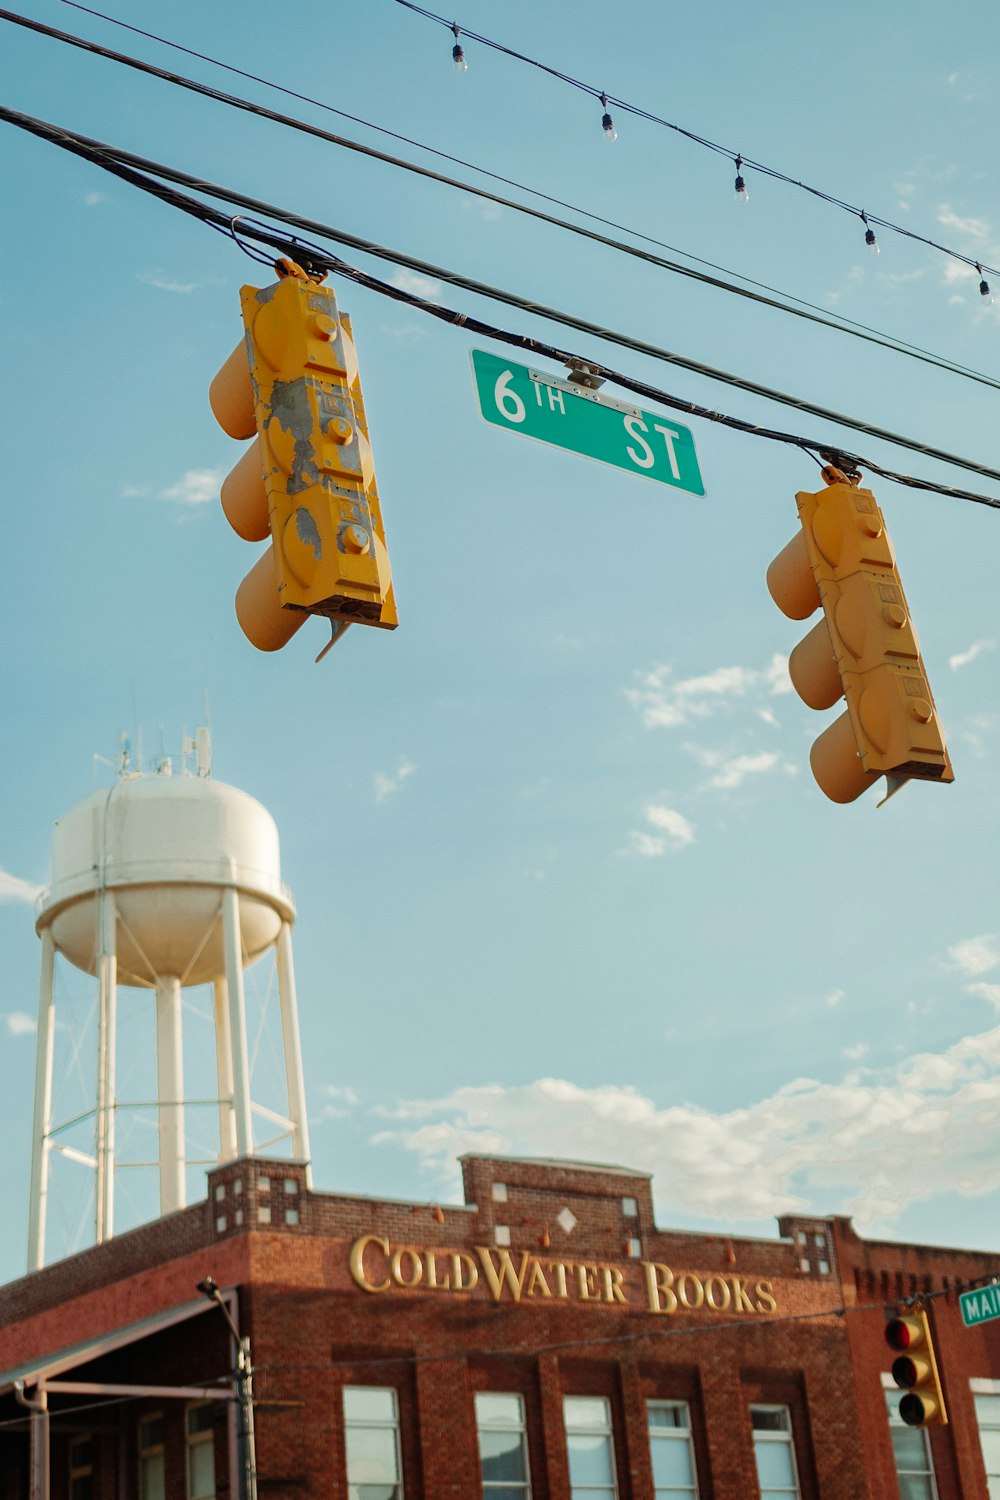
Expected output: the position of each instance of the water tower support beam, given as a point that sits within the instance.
(224, 1070)
(293, 1048)
(233, 946)
(107, 974)
(170, 1093)
(43, 1105)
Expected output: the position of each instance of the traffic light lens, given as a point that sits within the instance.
(905, 1372)
(912, 1410)
(898, 1334)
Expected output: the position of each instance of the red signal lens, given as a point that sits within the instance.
(898, 1333)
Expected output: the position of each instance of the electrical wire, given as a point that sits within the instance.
(699, 140)
(792, 305)
(135, 170)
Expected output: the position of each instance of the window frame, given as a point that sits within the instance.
(202, 1439)
(674, 1434)
(980, 1386)
(372, 1424)
(607, 1431)
(896, 1424)
(767, 1436)
(488, 1486)
(147, 1451)
(78, 1470)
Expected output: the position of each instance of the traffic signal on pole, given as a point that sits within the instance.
(308, 479)
(864, 649)
(915, 1370)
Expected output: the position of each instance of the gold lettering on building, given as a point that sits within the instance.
(376, 1266)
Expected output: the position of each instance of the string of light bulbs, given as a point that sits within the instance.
(811, 311)
(792, 308)
(625, 106)
(155, 178)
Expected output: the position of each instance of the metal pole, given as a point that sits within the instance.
(38, 1485)
(170, 1093)
(245, 1435)
(246, 1452)
(44, 1052)
(293, 1050)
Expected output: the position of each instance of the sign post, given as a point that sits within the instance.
(570, 416)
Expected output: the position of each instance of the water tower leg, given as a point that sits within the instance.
(293, 1049)
(107, 975)
(170, 1093)
(233, 946)
(44, 1045)
(224, 1069)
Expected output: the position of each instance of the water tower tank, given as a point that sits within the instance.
(167, 846)
(162, 882)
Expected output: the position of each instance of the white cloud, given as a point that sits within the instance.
(417, 286)
(833, 998)
(164, 284)
(385, 785)
(13, 888)
(93, 199)
(665, 703)
(856, 1052)
(673, 824)
(963, 658)
(195, 487)
(19, 1023)
(339, 1102)
(973, 229)
(990, 992)
(975, 955)
(733, 772)
(673, 831)
(870, 1145)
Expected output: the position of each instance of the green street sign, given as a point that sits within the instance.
(570, 416)
(980, 1305)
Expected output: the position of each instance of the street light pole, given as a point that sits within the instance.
(243, 1381)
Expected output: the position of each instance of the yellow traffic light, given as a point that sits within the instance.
(308, 479)
(864, 649)
(916, 1371)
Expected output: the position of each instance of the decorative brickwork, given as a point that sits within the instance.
(552, 1280)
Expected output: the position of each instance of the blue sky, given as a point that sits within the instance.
(565, 885)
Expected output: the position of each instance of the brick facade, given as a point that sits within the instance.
(552, 1280)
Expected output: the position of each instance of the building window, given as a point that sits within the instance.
(371, 1432)
(589, 1448)
(151, 1458)
(630, 1208)
(499, 1192)
(503, 1450)
(773, 1450)
(911, 1452)
(986, 1395)
(201, 1452)
(670, 1450)
(81, 1468)
(501, 1234)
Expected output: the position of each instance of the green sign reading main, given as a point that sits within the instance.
(571, 416)
(980, 1305)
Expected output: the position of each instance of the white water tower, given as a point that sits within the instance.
(159, 883)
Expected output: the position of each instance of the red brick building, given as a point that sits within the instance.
(544, 1341)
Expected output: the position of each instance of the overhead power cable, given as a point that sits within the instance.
(142, 173)
(741, 161)
(793, 306)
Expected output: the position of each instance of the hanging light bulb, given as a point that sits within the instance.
(458, 52)
(870, 239)
(984, 286)
(742, 196)
(607, 124)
